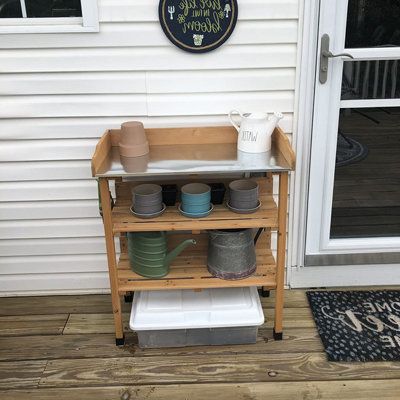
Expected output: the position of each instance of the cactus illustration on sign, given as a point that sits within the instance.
(227, 10)
(171, 10)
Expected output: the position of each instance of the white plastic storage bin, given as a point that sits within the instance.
(177, 318)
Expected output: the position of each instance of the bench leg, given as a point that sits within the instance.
(264, 292)
(278, 335)
(120, 341)
(112, 260)
(281, 252)
(128, 297)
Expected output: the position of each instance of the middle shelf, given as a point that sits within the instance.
(190, 272)
(189, 269)
(172, 220)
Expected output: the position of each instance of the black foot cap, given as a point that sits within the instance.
(128, 298)
(264, 293)
(120, 341)
(278, 335)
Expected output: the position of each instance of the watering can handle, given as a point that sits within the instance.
(231, 119)
(258, 235)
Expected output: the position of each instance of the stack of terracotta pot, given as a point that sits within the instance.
(133, 142)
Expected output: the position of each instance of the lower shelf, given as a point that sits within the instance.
(190, 272)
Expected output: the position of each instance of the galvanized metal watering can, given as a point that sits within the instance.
(148, 253)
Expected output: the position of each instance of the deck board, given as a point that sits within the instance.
(20, 325)
(104, 323)
(313, 390)
(23, 374)
(207, 369)
(63, 347)
(102, 346)
(94, 303)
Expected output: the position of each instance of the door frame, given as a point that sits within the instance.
(315, 276)
(303, 120)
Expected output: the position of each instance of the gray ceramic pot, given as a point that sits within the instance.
(231, 253)
(148, 209)
(147, 198)
(243, 194)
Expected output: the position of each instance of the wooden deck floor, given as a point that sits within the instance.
(62, 347)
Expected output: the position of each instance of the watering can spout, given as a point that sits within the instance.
(275, 117)
(178, 249)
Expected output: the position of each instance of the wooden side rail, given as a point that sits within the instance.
(282, 142)
(101, 151)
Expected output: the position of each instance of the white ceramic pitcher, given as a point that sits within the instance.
(255, 130)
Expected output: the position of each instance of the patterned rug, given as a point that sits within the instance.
(358, 325)
(349, 151)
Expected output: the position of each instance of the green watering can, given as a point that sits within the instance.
(148, 253)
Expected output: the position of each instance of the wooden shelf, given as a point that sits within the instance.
(190, 272)
(172, 220)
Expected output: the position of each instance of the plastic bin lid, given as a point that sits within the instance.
(189, 309)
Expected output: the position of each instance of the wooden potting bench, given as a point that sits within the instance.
(182, 155)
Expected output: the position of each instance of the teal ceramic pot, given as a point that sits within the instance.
(196, 198)
(195, 208)
(148, 253)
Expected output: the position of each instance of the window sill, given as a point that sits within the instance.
(48, 29)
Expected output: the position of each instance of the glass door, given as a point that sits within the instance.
(354, 194)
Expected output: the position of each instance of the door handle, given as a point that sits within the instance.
(325, 55)
(329, 54)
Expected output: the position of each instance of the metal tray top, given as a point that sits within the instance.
(190, 159)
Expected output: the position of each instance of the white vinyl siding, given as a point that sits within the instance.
(59, 93)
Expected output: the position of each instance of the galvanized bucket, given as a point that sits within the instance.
(231, 253)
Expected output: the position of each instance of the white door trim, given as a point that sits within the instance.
(326, 110)
(303, 117)
(341, 275)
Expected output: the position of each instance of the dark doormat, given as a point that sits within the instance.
(358, 325)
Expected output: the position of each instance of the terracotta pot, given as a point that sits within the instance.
(135, 164)
(133, 142)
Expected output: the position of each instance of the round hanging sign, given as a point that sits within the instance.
(198, 26)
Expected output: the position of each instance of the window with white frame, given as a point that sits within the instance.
(48, 16)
